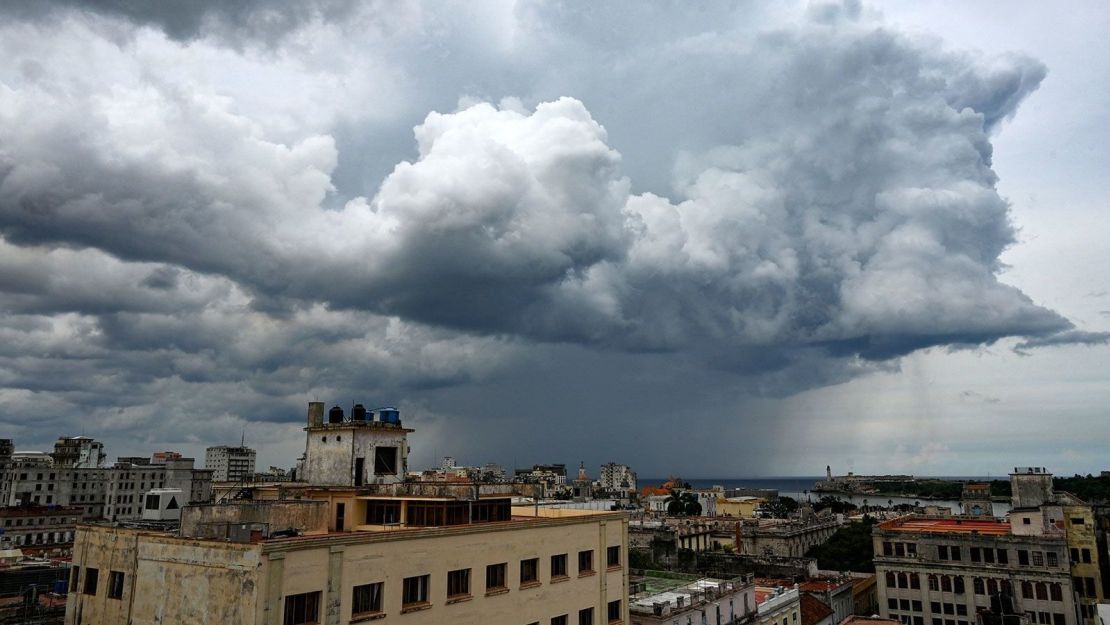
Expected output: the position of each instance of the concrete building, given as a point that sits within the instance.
(78, 452)
(740, 507)
(667, 598)
(815, 612)
(943, 571)
(617, 479)
(355, 451)
(785, 537)
(975, 500)
(837, 593)
(413, 553)
(25, 527)
(230, 464)
(778, 605)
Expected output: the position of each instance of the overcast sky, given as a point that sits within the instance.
(707, 239)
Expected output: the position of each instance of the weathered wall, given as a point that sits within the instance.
(166, 580)
(305, 516)
(331, 451)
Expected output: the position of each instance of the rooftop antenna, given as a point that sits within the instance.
(243, 438)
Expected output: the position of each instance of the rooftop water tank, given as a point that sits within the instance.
(335, 415)
(358, 413)
(389, 415)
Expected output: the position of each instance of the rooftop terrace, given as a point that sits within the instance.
(947, 525)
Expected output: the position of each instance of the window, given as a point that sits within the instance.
(367, 598)
(559, 620)
(302, 609)
(1074, 555)
(115, 585)
(559, 565)
(1023, 557)
(1027, 590)
(586, 616)
(915, 581)
(613, 556)
(942, 552)
(961, 609)
(385, 460)
(892, 603)
(1038, 558)
(935, 607)
(614, 611)
(1055, 592)
(91, 575)
(900, 550)
(458, 583)
(1003, 556)
(1086, 556)
(585, 562)
(958, 585)
(1025, 521)
(74, 577)
(888, 548)
(1076, 520)
(955, 554)
(946, 584)
(891, 579)
(904, 604)
(495, 576)
(934, 585)
(917, 606)
(414, 590)
(976, 556)
(911, 549)
(529, 570)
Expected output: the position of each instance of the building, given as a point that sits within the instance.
(814, 611)
(413, 553)
(947, 570)
(741, 507)
(778, 605)
(26, 527)
(786, 537)
(975, 500)
(78, 452)
(836, 593)
(617, 479)
(114, 493)
(666, 598)
(230, 464)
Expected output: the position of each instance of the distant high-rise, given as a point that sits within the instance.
(230, 464)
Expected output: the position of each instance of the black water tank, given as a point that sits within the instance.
(335, 415)
(358, 413)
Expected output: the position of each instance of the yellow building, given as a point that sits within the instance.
(742, 507)
(356, 543)
(1081, 532)
(535, 567)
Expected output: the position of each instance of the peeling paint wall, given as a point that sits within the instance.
(331, 451)
(306, 516)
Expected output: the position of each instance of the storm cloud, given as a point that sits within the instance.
(229, 208)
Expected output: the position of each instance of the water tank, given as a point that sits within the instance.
(335, 415)
(389, 415)
(315, 413)
(358, 413)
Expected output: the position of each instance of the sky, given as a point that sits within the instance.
(713, 240)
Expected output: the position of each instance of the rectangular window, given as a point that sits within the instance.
(976, 555)
(892, 603)
(904, 604)
(495, 576)
(367, 599)
(916, 606)
(115, 585)
(385, 460)
(302, 609)
(585, 562)
(1023, 557)
(1074, 555)
(946, 584)
(942, 552)
(1076, 520)
(559, 565)
(900, 550)
(91, 575)
(586, 616)
(559, 620)
(911, 549)
(955, 554)
(958, 585)
(888, 548)
(414, 590)
(613, 556)
(615, 611)
(935, 607)
(74, 578)
(1055, 592)
(458, 583)
(1089, 582)
(988, 556)
(1038, 558)
(961, 609)
(1086, 556)
(529, 570)
(915, 581)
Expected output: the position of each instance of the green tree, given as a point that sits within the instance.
(782, 507)
(849, 549)
(682, 504)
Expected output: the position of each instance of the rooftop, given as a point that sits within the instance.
(868, 620)
(824, 585)
(814, 610)
(681, 591)
(947, 525)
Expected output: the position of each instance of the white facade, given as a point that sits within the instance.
(617, 478)
(354, 452)
(230, 464)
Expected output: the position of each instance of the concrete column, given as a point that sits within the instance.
(335, 585)
(274, 608)
(602, 568)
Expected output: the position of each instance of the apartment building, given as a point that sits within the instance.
(37, 526)
(666, 598)
(617, 479)
(778, 605)
(230, 464)
(361, 545)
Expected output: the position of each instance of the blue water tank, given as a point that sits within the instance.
(61, 586)
(389, 415)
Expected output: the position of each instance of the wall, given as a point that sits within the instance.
(307, 516)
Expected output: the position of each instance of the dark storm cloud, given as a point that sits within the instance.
(182, 20)
(1069, 337)
(789, 203)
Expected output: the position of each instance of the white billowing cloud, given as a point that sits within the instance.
(797, 200)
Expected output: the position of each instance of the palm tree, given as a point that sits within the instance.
(682, 504)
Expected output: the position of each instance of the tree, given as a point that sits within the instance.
(849, 549)
(782, 507)
(682, 504)
(835, 504)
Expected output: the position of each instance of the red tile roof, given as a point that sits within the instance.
(948, 526)
(814, 610)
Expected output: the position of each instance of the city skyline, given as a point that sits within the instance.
(732, 241)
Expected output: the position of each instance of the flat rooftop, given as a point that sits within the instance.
(948, 525)
(662, 586)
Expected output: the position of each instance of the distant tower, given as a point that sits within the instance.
(582, 477)
(1031, 487)
(828, 472)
